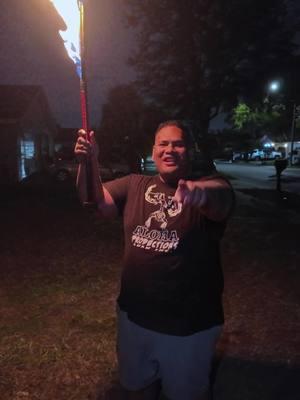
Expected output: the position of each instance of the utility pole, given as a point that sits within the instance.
(296, 115)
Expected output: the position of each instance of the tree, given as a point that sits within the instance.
(259, 120)
(242, 116)
(195, 57)
(127, 126)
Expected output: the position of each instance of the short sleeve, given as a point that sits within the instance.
(118, 189)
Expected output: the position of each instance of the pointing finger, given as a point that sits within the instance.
(181, 191)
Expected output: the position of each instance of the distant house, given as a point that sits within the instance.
(27, 131)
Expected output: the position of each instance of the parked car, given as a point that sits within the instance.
(273, 155)
(65, 170)
(148, 166)
(296, 156)
(239, 156)
(258, 154)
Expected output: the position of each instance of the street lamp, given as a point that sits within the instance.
(271, 88)
(296, 115)
(274, 86)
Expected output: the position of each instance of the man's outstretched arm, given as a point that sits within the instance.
(213, 195)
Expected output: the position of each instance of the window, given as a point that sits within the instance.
(26, 158)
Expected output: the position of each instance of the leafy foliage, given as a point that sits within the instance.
(195, 57)
(127, 125)
(241, 115)
(258, 121)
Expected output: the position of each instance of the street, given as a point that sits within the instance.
(257, 176)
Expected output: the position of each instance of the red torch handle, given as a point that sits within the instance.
(83, 85)
(84, 109)
(85, 124)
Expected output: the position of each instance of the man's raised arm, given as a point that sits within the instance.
(87, 152)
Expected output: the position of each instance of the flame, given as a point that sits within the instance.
(70, 13)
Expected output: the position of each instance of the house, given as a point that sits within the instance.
(286, 147)
(27, 131)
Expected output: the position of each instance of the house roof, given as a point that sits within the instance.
(15, 100)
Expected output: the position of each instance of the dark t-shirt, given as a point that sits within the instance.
(172, 280)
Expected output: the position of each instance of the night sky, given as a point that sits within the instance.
(32, 52)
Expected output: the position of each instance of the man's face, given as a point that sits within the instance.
(170, 153)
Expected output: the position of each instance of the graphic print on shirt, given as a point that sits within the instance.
(161, 240)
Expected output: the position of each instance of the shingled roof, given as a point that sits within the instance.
(15, 100)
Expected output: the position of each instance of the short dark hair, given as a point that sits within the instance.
(179, 124)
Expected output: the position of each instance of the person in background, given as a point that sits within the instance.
(170, 312)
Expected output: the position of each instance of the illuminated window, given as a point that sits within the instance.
(27, 157)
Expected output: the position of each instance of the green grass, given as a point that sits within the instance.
(60, 276)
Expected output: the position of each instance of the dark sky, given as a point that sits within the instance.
(32, 52)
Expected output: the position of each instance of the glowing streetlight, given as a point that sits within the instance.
(271, 88)
(274, 86)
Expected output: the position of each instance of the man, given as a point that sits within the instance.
(170, 310)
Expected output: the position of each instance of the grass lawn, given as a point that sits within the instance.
(59, 278)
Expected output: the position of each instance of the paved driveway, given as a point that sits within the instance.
(257, 176)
